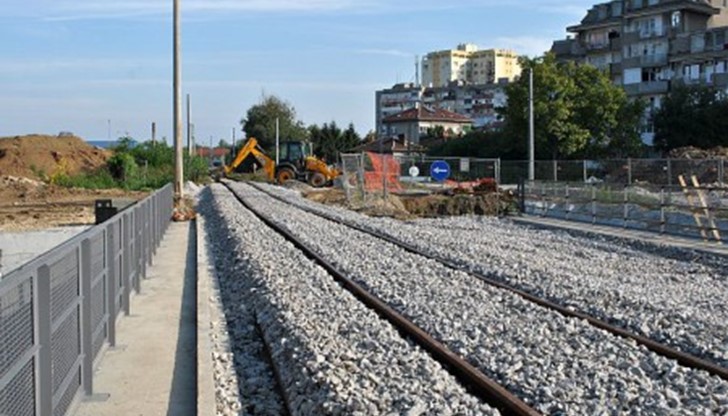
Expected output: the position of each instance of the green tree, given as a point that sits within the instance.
(260, 122)
(692, 116)
(577, 109)
(329, 140)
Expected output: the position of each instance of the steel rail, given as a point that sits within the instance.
(685, 359)
(478, 383)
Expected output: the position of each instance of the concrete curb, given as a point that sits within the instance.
(206, 402)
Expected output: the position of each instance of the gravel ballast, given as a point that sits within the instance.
(334, 355)
(675, 296)
(556, 364)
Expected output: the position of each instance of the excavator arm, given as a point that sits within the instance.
(251, 148)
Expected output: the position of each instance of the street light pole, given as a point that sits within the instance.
(531, 128)
(178, 173)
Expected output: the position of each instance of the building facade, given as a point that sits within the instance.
(469, 64)
(649, 46)
(476, 102)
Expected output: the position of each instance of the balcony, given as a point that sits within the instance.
(629, 38)
(646, 88)
(645, 60)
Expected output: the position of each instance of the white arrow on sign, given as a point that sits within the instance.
(439, 170)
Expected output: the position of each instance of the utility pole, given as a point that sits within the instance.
(178, 173)
(232, 151)
(154, 132)
(531, 134)
(278, 139)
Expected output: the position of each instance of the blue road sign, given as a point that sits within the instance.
(439, 170)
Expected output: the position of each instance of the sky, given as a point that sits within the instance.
(103, 68)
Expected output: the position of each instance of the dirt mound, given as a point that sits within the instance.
(39, 157)
(691, 152)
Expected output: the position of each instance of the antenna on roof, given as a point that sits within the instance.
(417, 71)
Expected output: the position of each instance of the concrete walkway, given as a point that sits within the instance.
(152, 371)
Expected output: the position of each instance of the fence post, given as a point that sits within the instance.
(594, 203)
(112, 282)
(498, 171)
(583, 167)
(629, 171)
(721, 172)
(44, 378)
(544, 208)
(86, 325)
(662, 210)
(626, 207)
(567, 206)
(556, 168)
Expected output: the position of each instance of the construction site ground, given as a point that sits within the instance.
(29, 202)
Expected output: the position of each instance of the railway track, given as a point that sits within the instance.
(477, 383)
(686, 360)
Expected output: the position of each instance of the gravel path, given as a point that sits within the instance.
(675, 296)
(556, 364)
(335, 356)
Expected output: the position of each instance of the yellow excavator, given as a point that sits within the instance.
(295, 162)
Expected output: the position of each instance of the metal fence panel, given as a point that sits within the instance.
(58, 311)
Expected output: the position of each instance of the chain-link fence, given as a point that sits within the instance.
(694, 211)
(711, 172)
(58, 311)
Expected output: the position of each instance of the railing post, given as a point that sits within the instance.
(126, 263)
(498, 171)
(86, 325)
(584, 170)
(556, 169)
(112, 282)
(44, 379)
(544, 209)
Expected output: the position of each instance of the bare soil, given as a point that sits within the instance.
(28, 203)
(39, 157)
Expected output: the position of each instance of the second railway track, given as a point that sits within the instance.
(621, 376)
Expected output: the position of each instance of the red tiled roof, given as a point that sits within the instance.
(216, 152)
(424, 113)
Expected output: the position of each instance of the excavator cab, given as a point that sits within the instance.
(296, 161)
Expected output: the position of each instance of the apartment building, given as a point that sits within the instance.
(476, 102)
(649, 46)
(469, 64)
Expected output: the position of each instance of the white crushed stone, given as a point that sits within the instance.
(334, 355)
(557, 364)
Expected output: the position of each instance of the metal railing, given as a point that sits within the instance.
(697, 212)
(58, 311)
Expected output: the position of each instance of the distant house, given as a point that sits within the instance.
(216, 153)
(414, 123)
(390, 145)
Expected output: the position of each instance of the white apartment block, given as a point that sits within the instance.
(476, 102)
(648, 46)
(469, 64)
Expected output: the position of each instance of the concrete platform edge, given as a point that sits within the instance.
(206, 404)
(616, 232)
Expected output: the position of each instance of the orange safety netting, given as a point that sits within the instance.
(382, 165)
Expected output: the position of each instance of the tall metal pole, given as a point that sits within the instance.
(178, 173)
(531, 133)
